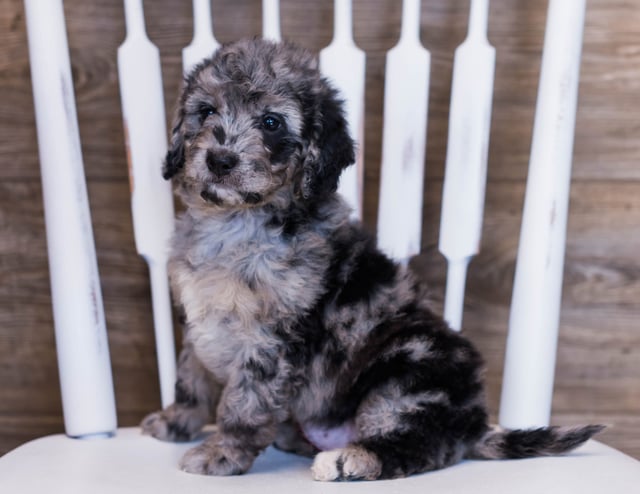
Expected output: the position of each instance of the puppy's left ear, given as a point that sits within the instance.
(330, 149)
(174, 161)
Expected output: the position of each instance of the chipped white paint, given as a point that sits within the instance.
(535, 307)
(81, 339)
(151, 196)
(404, 138)
(271, 20)
(467, 150)
(204, 42)
(343, 63)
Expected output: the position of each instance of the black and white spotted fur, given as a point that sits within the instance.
(299, 332)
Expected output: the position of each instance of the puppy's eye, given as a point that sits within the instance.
(271, 123)
(206, 111)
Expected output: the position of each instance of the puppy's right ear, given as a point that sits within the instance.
(174, 161)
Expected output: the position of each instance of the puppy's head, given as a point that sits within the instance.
(255, 123)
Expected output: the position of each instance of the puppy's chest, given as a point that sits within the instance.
(236, 283)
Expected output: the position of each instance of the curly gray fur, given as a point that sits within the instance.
(299, 332)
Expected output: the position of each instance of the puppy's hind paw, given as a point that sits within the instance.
(327, 466)
(350, 463)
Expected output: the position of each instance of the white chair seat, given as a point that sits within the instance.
(133, 463)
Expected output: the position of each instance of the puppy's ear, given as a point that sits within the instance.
(174, 161)
(330, 147)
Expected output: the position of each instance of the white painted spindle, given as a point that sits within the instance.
(535, 307)
(467, 150)
(344, 64)
(151, 196)
(204, 43)
(404, 138)
(271, 20)
(81, 338)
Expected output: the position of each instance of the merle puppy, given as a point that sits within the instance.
(299, 332)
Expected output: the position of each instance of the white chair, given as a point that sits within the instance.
(97, 457)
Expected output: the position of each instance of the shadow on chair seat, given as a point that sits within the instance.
(133, 463)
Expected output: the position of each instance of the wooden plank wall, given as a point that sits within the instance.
(598, 372)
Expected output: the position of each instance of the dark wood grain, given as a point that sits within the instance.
(598, 369)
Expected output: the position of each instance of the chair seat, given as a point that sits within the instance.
(133, 463)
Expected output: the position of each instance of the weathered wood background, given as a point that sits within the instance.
(598, 372)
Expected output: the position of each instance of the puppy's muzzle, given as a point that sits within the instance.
(220, 163)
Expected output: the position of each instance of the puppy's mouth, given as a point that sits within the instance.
(212, 196)
(222, 197)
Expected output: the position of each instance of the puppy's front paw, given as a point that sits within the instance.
(350, 463)
(215, 459)
(168, 425)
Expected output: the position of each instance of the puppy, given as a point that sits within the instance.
(299, 332)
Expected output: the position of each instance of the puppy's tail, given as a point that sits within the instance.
(546, 441)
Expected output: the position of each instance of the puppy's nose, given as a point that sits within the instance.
(221, 162)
